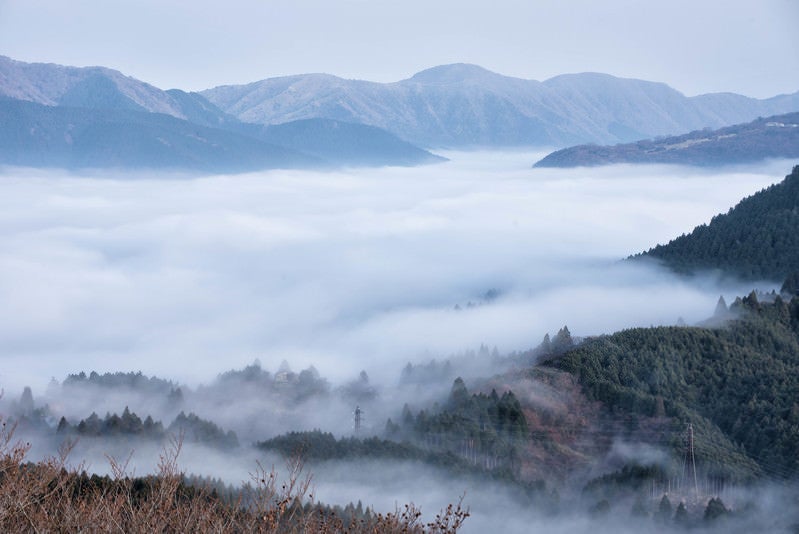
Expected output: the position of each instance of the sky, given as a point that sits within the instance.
(740, 46)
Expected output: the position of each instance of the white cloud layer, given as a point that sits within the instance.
(188, 277)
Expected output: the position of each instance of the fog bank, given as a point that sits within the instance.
(366, 269)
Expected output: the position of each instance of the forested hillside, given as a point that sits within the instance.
(757, 239)
(738, 386)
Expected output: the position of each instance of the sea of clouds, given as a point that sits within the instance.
(186, 276)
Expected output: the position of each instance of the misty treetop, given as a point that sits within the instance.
(197, 430)
(131, 380)
(435, 371)
(559, 344)
(359, 390)
(431, 372)
(630, 479)
(757, 239)
(487, 430)
(318, 445)
(284, 386)
(191, 427)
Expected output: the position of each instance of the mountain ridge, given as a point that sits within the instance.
(463, 105)
(97, 87)
(770, 137)
(108, 98)
(36, 135)
(457, 106)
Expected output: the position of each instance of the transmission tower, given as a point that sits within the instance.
(689, 461)
(358, 415)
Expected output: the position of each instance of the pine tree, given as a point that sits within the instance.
(26, 402)
(563, 341)
(546, 345)
(458, 395)
(791, 285)
(63, 425)
(721, 308)
(681, 515)
(715, 509)
(663, 513)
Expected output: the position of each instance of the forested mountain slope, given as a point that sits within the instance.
(757, 239)
(737, 385)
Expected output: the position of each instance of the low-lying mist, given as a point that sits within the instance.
(186, 277)
(496, 507)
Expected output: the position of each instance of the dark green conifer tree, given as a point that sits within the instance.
(664, 510)
(715, 509)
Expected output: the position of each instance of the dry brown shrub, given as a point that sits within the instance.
(50, 496)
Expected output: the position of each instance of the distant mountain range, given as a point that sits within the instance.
(757, 239)
(55, 116)
(772, 137)
(322, 120)
(466, 106)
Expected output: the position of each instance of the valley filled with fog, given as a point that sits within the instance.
(184, 277)
(333, 274)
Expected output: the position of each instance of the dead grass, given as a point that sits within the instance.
(51, 496)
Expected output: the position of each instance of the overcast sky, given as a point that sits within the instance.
(744, 46)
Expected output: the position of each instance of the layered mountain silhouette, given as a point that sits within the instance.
(465, 105)
(101, 88)
(55, 116)
(319, 119)
(35, 135)
(343, 143)
(772, 137)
